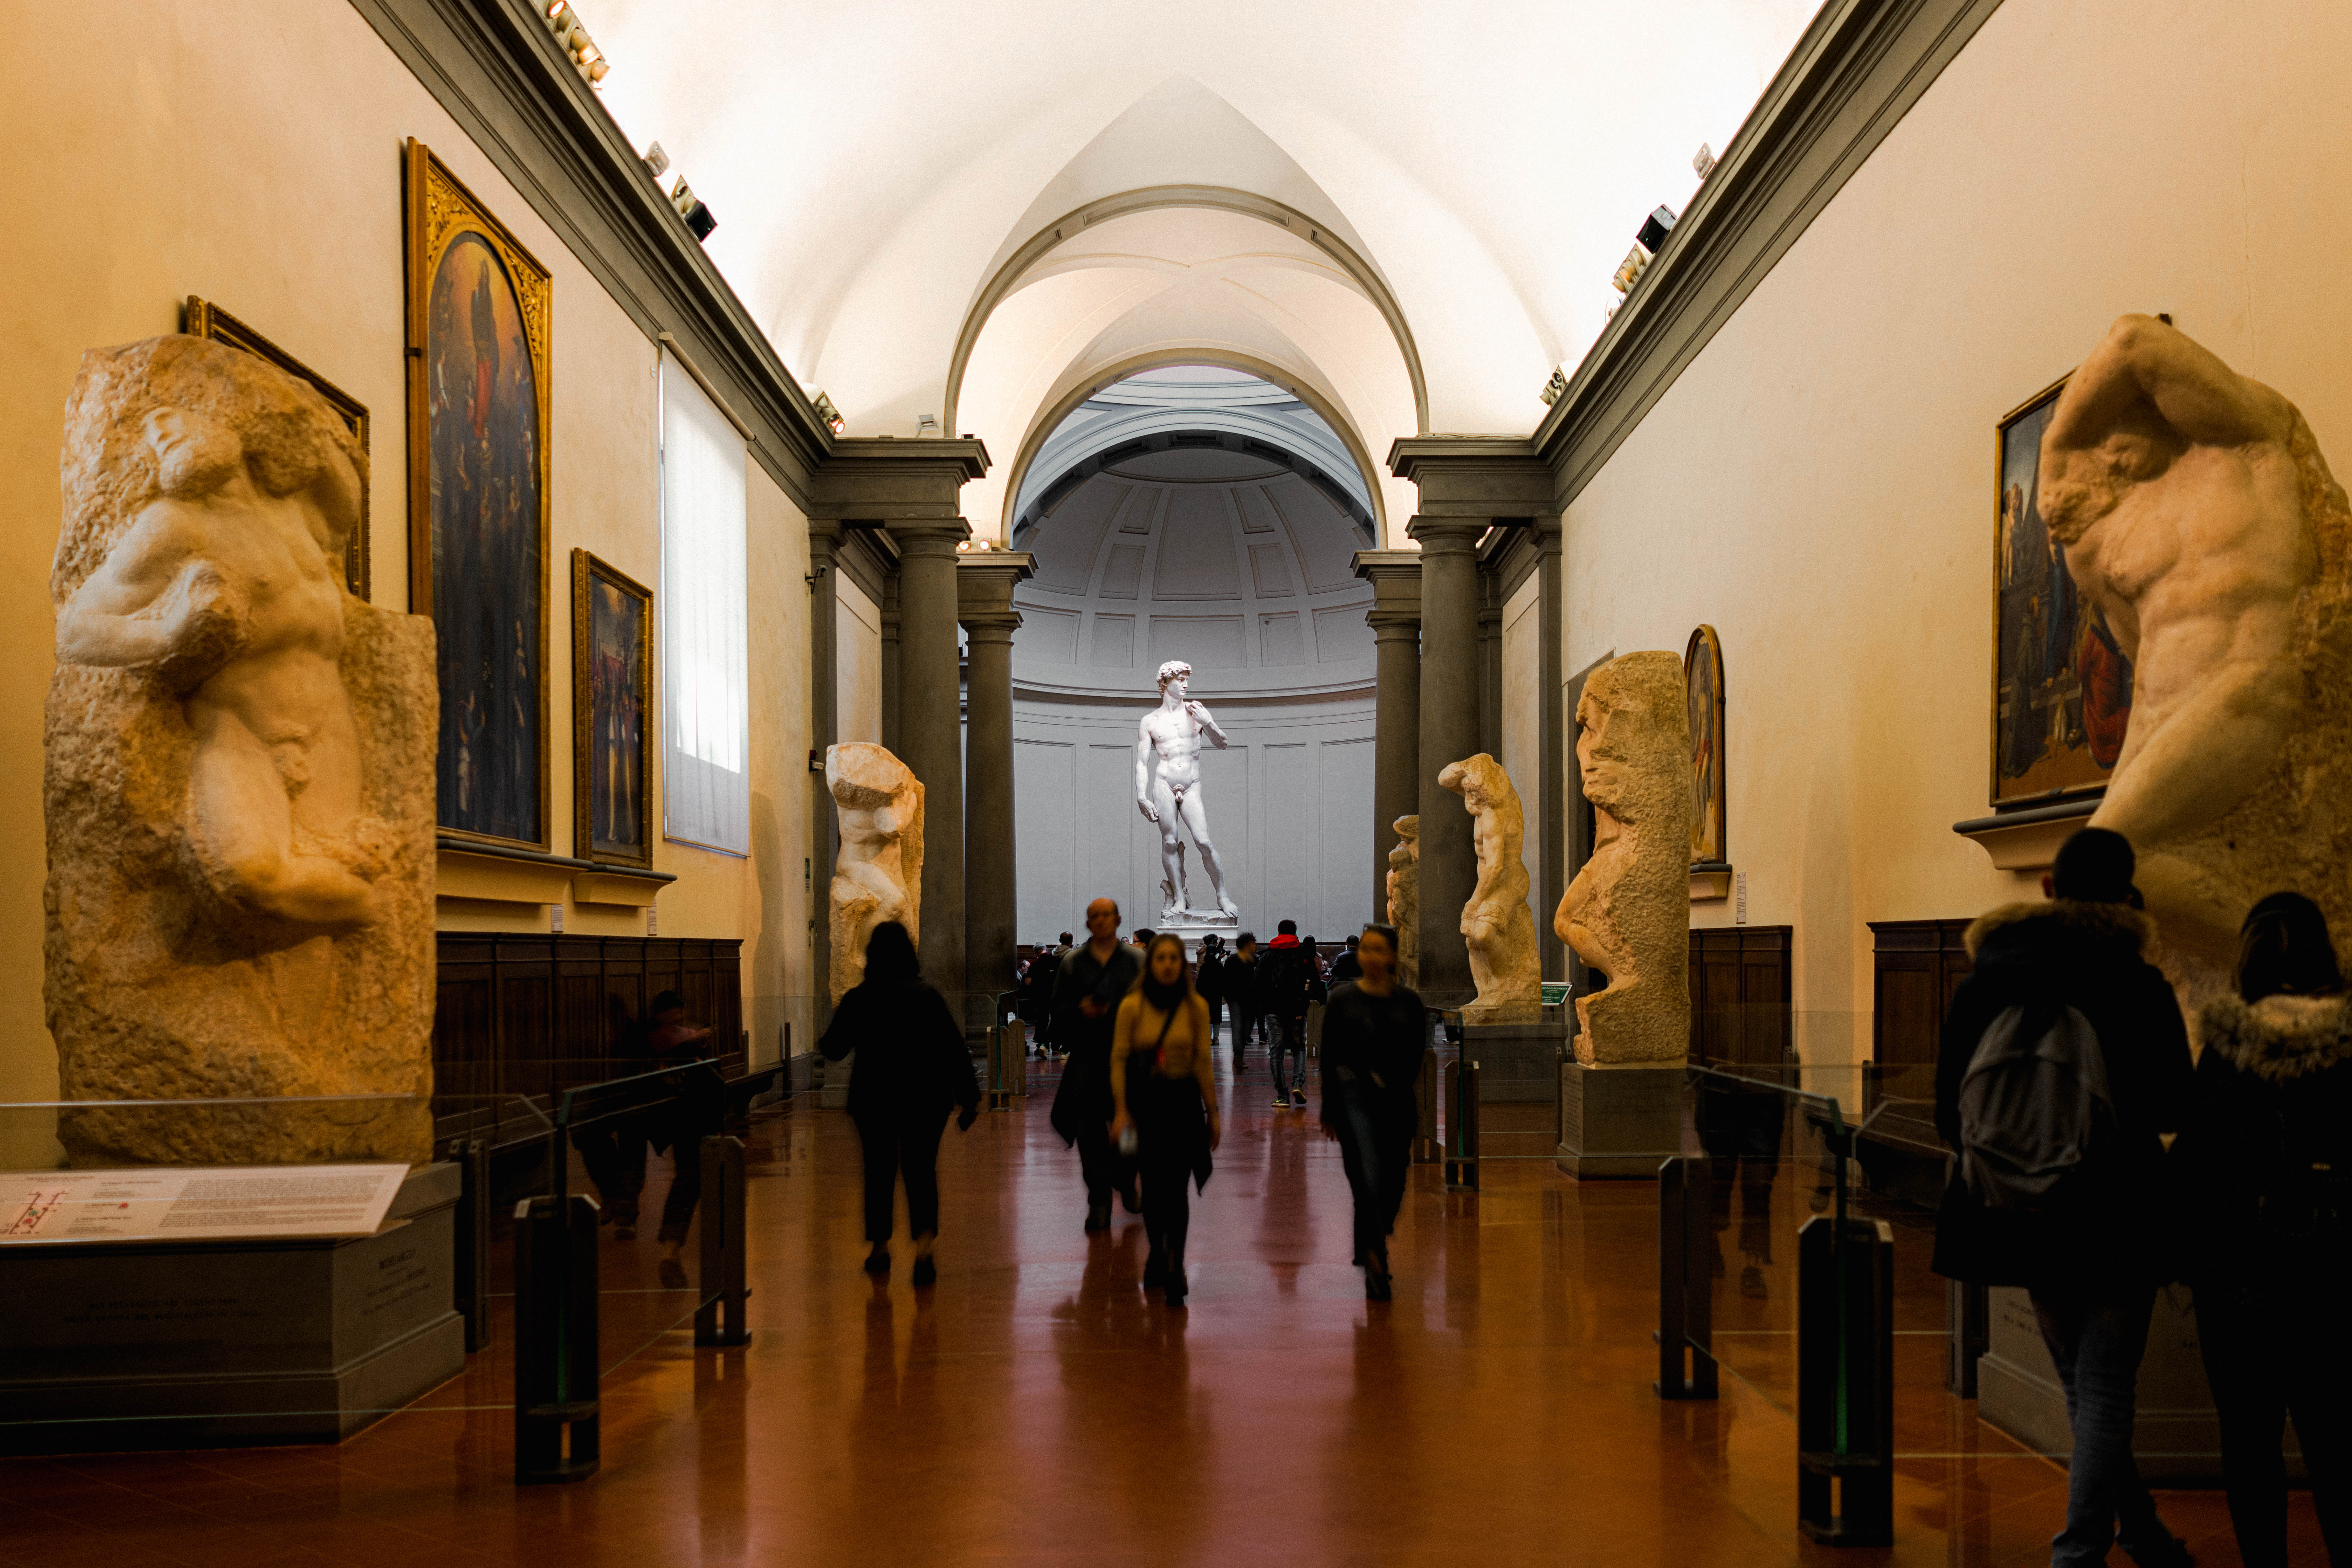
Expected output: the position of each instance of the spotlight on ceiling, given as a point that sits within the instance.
(1703, 161)
(586, 57)
(1654, 229)
(657, 161)
(829, 414)
(689, 207)
(1629, 271)
(1554, 387)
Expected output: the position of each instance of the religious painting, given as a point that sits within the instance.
(2062, 688)
(1703, 691)
(203, 319)
(611, 715)
(477, 518)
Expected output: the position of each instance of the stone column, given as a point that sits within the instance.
(931, 732)
(889, 608)
(1450, 731)
(1552, 747)
(984, 584)
(1490, 664)
(1395, 620)
(824, 729)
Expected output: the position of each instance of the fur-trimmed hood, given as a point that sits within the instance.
(2069, 921)
(2281, 1037)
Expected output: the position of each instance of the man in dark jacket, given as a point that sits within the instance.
(1347, 966)
(2095, 1258)
(1289, 979)
(1086, 994)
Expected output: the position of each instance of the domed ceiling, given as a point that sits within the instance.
(1228, 560)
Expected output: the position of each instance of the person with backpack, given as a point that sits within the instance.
(2065, 1062)
(1288, 980)
(1209, 980)
(2268, 1158)
(1241, 993)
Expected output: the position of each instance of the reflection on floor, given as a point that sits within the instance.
(1037, 1408)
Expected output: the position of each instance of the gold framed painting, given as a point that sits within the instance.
(1703, 692)
(2062, 688)
(203, 319)
(611, 715)
(478, 500)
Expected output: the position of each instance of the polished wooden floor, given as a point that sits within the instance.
(1036, 1407)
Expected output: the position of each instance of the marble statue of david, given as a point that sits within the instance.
(1168, 789)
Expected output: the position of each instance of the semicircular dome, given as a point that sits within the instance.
(1227, 560)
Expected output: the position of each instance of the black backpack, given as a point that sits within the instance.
(2035, 1110)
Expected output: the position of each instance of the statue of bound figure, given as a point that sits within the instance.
(1498, 927)
(2200, 522)
(239, 786)
(878, 877)
(1168, 791)
(1404, 883)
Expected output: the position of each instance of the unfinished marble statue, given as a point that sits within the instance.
(239, 776)
(1627, 912)
(1496, 924)
(1404, 896)
(879, 874)
(1169, 792)
(2201, 522)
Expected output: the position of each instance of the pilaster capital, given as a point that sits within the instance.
(1448, 536)
(989, 631)
(877, 478)
(984, 582)
(1395, 577)
(928, 539)
(1475, 477)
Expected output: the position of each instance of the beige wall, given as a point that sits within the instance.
(857, 664)
(1522, 756)
(247, 151)
(1817, 484)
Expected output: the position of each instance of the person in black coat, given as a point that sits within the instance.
(1241, 994)
(1209, 980)
(1093, 981)
(912, 1066)
(1374, 1036)
(2268, 1165)
(2093, 1265)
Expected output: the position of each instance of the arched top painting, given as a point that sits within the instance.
(477, 518)
(1703, 689)
(2062, 688)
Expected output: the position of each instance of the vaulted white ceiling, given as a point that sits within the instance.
(1406, 211)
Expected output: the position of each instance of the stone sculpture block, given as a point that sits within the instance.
(1497, 923)
(2202, 525)
(239, 780)
(1404, 896)
(879, 876)
(1627, 912)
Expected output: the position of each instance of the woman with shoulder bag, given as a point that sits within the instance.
(1163, 1084)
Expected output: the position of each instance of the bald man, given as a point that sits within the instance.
(1087, 994)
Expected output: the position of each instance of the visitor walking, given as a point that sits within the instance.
(2064, 1014)
(1086, 994)
(1374, 1035)
(2269, 1159)
(912, 1066)
(1241, 994)
(1163, 1085)
(696, 1109)
(1209, 980)
(1287, 981)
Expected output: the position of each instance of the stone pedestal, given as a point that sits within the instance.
(2175, 1436)
(230, 1343)
(1619, 1121)
(1517, 1061)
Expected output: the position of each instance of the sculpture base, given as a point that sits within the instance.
(230, 1343)
(1517, 1061)
(1622, 1120)
(2175, 1436)
(1194, 924)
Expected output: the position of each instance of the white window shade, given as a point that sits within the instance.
(705, 685)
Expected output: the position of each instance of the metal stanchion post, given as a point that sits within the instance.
(1845, 1382)
(473, 1275)
(1426, 1150)
(1686, 1318)
(555, 1340)
(719, 1320)
(1461, 1115)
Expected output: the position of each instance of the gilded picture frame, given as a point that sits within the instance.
(613, 715)
(480, 414)
(2061, 697)
(1710, 842)
(201, 317)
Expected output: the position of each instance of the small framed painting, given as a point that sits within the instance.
(1703, 691)
(611, 715)
(203, 319)
(479, 410)
(2062, 688)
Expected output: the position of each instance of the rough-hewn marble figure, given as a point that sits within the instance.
(879, 874)
(1496, 924)
(1404, 896)
(1627, 912)
(1168, 791)
(2200, 521)
(240, 773)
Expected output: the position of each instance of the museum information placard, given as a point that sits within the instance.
(196, 1205)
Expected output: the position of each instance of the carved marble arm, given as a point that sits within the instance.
(154, 603)
(1143, 761)
(1201, 717)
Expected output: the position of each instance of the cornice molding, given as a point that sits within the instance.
(493, 65)
(1857, 70)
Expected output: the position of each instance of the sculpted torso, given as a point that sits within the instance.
(2172, 483)
(234, 598)
(1168, 789)
(869, 856)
